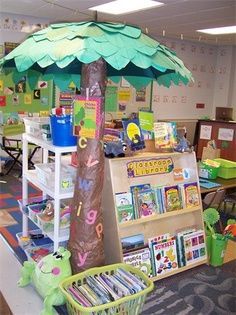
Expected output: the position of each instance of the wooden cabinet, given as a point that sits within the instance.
(118, 179)
(221, 132)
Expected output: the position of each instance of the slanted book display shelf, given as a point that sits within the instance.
(152, 203)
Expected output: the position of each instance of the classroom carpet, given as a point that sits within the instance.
(10, 192)
(201, 290)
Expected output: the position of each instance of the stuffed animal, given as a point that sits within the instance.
(46, 276)
(183, 145)
(114, 149)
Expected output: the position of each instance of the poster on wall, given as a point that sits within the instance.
(8, 47)
(111, 99)
(205, 132)
(141, 95)
(226, 134)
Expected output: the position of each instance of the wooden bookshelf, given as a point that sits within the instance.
(117, 180)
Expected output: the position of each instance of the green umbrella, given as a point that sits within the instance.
(88, 53)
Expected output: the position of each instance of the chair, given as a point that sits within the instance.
(229, 203)
(214, 199)
(13, 147)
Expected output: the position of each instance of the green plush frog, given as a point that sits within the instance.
(46, 276)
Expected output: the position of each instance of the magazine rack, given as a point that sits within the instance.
(118, 179)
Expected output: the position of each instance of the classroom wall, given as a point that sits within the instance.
(213, 69)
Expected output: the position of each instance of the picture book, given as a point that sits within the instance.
(132, 242)
(124, 206)
(165, 135)
(87, 117)
(134, 191)
(171, 197)
(194, 246)
(146, 203)
(159, 200)
(151, 241)
(190, 195)
(180, 245)
(140, 259)
(133, 134)
(164, 256)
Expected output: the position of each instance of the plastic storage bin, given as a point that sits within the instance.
(36, 209)
(62, 131)
(47, 225)
(24, 204)
(35, 126)
(46, 175)
(209, 171)
(38, 252)
(227, 168)
(131, 304)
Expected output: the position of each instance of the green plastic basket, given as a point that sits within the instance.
(129, 305)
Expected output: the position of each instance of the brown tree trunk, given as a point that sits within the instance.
(86, 231)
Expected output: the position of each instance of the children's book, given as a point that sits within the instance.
(190, 195)
(124, 206)
(171, 197)
(134, 191)
(159, 199)
(194, 246)
(133, 134)
(165, 256)
(165, 135)
(140, 259)
(180, 245)
(151, 241)
(146, 203)
(132, 242)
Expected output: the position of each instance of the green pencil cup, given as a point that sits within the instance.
(218, 247)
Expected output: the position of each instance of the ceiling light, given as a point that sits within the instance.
(219, 30)
(126, 6)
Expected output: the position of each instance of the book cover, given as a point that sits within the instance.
(194, 247)
(165, 134)
(190, 195)
(132, 242)
(124, 206)
(171, 197)
(133, 134)
(151, 241)
(180, 245)
(134, 191)
(87, 117)
(140, 259)
(165, 256)
(159, 200)
(146, 203)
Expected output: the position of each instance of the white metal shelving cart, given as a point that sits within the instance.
(53, 191)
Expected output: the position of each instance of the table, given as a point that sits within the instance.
(228, 184)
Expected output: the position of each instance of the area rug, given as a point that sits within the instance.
(10, 192)
(6, 219)
(202, 290)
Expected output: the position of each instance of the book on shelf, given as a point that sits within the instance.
(165, 134)
(180, 245)
(133, 134)
(194, 247)
(172, 198)
(159, 199)
(135, 190)
(132, 242)
(140, 259)
(190, 195)
(164, 256)
(146, 203)
(124, 206)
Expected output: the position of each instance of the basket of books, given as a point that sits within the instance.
(113, 289)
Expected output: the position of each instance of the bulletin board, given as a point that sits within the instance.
(122, 99)
(18, 97)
